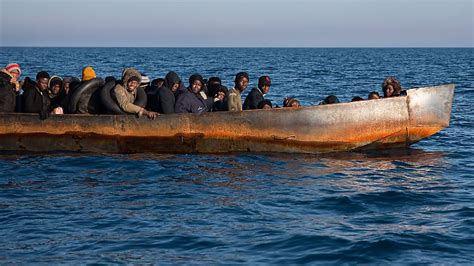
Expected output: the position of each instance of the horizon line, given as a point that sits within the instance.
(248, 47)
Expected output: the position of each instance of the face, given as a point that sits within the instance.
(15, 75)
(374, 96)
(175, 87)
(196, 86)
(55, 89)
(295, 104)
(389, 91)
(132, 85)
(265, 89)
(66, 87)
(242, 84)
(42, 83)
(266, 106)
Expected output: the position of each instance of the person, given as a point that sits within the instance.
(126, 92)
(391, 87)
(291, 102)
(256, 95)
(234, 98)
(56, 94)
(68, 81)
(192, 100)
(356, 99)
(373, 95)
(331, 99)
(158, 82)
(166, 96)
(151, 93)
(217, 91)
(265, 104)
(36, 98)
(9, 87)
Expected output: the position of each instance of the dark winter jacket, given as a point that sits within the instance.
(253, 98)
(189, 102)
(166, 99)
(7, 93)
(35, 100)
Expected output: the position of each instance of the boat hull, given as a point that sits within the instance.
(375, 124)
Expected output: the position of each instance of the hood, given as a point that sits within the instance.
(128, 73)
(170, 79)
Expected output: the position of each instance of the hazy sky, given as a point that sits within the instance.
(244, 23)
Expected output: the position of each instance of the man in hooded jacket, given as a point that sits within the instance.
(166, 96)
(126, 93)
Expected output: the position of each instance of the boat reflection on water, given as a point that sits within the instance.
(351, 170)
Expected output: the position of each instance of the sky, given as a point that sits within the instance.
(243, 23)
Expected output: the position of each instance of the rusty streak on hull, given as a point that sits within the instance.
(375, 124)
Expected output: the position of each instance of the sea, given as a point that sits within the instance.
(408, 206)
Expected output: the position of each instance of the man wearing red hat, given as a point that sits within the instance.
(9, 86)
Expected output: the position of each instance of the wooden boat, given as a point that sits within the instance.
(374, 124)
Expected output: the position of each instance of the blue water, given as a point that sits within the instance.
(404, 206)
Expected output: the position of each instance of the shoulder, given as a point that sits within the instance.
(119, 88)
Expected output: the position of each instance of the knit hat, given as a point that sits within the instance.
(241, 75)
(42, 75)
(12, 67)
(88, 73)
(264, 81)
(195, 77)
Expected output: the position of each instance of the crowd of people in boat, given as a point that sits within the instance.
(136, 94)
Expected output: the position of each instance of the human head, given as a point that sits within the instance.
(172, 81)
(241, 81)
(131, 79)
(158, 82)
(330, 99)
(145, 81)
(42, 79)
(214, 81)
(291, 102)
(195, 83)
(14, 70)
(88, 73)
(356, 99)
(68, 81)
(264, 83)
(55, 85)
(391, 87)
(374, 95)
(265, 104)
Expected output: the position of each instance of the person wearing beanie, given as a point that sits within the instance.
(88, 73)
(35, 98)
(234, 98)
(9, 86)
(192, 101)
(126, 92)
(256, 95)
